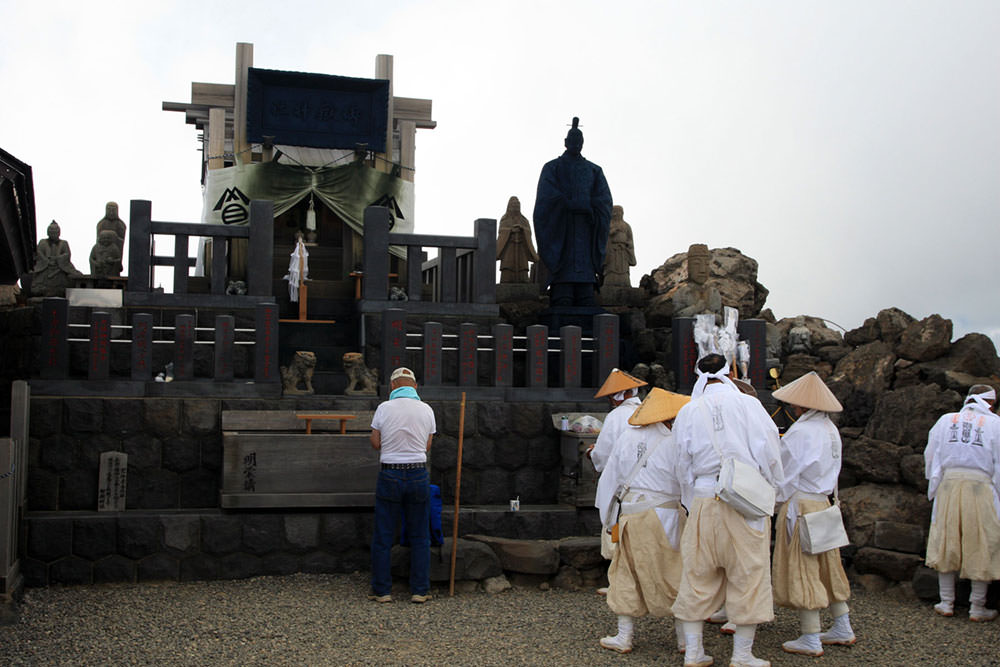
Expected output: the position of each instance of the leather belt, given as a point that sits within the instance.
(403, 466)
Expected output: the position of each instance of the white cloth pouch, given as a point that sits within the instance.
(822, 531)
(743, 488)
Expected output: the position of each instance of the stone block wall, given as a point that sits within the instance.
(173, 528)
(187, 545)
(174, 447)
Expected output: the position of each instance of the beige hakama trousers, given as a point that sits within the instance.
(724, 561)
(801, 580)
(608, 548)
(965, 531)
(645, 571)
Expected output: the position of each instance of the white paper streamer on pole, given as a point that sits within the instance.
(298, 270)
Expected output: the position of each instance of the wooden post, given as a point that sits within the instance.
(468, 354)
(140, 239)
(383, 70)
(216, 138)
(99, 364)
(503, 355)
(606, 339)
(266, 343)
(570, 356)
(55, 338)
(432, 353)
(393, 340)
(484, 265)
(184, 337)
(142, 347)
(244, 61)
(376, 267)
(537, 364)
(407, 146)
(261, 247)
(225, 337)
(458, 494)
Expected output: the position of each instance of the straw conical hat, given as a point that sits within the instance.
(660, 405)
(745, 387)
(618, 380)
(809, 391)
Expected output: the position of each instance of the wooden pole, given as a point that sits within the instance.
(458, 490)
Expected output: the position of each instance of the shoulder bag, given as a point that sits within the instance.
(741, 486)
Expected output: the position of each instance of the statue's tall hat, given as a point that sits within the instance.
(575, 131)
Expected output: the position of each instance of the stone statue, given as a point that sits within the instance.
(572, 217)
(799, 337)
(112, 222)
(362, 381)
(514, 247)
(53, 271)
(621, 250)
(299, 372)
(106, 256)
(696, 296)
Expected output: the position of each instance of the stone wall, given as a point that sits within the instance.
(173, 527)
(174, 447)
(186, 545)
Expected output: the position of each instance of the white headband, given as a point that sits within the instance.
(626, 393)
(981, 398)
(703, 378)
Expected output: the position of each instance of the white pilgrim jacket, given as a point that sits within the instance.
(969, 438)
(810, 458)
(743, 430)
(656, 482)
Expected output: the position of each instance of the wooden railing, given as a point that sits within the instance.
(58, 333)
(13, 489)
(478, 271)
(465, 346)
(259, 233)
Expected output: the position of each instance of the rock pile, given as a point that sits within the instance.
(895, 375)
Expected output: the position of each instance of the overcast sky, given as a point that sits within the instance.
(851, 148)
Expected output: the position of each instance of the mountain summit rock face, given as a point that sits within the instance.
(731, 273)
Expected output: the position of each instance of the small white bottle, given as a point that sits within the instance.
(564, 423)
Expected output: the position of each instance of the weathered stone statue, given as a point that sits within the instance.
(799, 337)
(621, 250)
(299, 372)
(112, 222)
(106, 256)
(362, 381)
(696, 296)
(514, 247)
(53, 271)
(572, 217)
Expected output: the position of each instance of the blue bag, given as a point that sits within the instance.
(436, 535)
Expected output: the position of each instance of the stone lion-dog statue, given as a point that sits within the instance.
(362, 381)
(300, 371)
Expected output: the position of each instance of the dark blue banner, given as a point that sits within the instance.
(316, 110)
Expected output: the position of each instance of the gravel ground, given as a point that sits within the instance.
(326, 620)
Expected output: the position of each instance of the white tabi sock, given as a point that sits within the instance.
(946, 587)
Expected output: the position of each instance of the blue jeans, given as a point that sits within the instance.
(397, 493)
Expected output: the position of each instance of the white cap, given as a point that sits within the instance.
(402, 372)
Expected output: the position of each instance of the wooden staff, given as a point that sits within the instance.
(458, 490)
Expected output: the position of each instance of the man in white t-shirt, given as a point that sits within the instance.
(402, 430)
